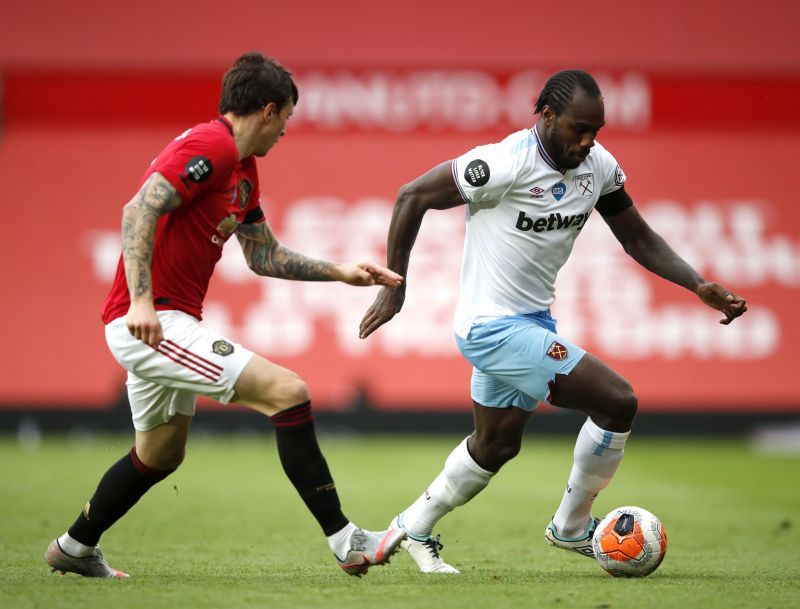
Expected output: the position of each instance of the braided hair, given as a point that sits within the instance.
(560, 88)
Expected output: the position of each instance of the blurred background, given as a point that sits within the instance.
(702, 101)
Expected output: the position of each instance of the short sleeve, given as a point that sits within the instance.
(249, 189)
(196, 160)
(611, 174)
(484, 173)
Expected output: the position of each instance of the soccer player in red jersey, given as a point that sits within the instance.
(199, 191)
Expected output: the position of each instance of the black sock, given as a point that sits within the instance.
(120, 488)
(305, 466)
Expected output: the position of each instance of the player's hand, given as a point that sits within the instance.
(721, 299)
(387, 304)
(143, 323)
(367, 273)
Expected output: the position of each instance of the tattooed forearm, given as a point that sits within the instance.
(139, 217)
(267, 257)
(290, 265)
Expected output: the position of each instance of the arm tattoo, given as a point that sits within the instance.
(267, 257)
(155, 198)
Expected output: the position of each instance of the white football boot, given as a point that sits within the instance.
(424, 550)
(581, 544)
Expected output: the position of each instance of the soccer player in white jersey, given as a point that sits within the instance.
(527, 199)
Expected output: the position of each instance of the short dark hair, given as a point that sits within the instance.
(560, 88)
(253, 82)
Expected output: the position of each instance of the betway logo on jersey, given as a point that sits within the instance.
(552, 222)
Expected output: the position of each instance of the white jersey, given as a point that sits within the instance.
(523, 216)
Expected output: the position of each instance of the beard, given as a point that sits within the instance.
(558, 152)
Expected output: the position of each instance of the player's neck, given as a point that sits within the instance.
(244, 133)
(541, 130)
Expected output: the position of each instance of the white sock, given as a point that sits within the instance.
(459, 481)
(339, 542)
(73, 547)
(597, 456)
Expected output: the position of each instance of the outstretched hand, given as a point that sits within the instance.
(387, 304)
(367, 273)
(721, 299)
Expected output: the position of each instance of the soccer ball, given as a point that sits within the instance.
(629, 542)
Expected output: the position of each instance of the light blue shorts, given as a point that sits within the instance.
(516, 358)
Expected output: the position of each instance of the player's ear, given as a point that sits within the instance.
(270, 110)
(549, 115)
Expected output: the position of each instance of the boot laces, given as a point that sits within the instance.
(434, 545)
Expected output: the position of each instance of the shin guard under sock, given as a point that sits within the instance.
(120, 488)
(306, 468)
(460, 480)
(598, 453)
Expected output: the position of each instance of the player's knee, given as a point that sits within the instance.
(172, 460)
(163, 458)
(616, 407)
(492, 454)
(290, 390)
(506, 452)
(625, 403)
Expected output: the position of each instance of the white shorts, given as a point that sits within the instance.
(192, 360)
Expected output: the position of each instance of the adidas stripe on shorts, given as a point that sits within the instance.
(192, 360)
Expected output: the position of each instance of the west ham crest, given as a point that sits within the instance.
(557, 351)
(584, 184)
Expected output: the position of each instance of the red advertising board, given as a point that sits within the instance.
(331, 195)
(405, 101)
(701, 108)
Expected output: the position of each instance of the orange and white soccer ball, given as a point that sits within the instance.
(629, 542)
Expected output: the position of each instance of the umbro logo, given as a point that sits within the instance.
(537, 193)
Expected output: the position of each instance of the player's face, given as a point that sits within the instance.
(571, 134)
(274, 126)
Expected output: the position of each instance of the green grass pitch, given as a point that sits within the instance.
(228, 531)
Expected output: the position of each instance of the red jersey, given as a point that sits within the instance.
(218, 192)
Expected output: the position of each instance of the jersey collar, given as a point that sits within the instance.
(226, 122)
(543, 153)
